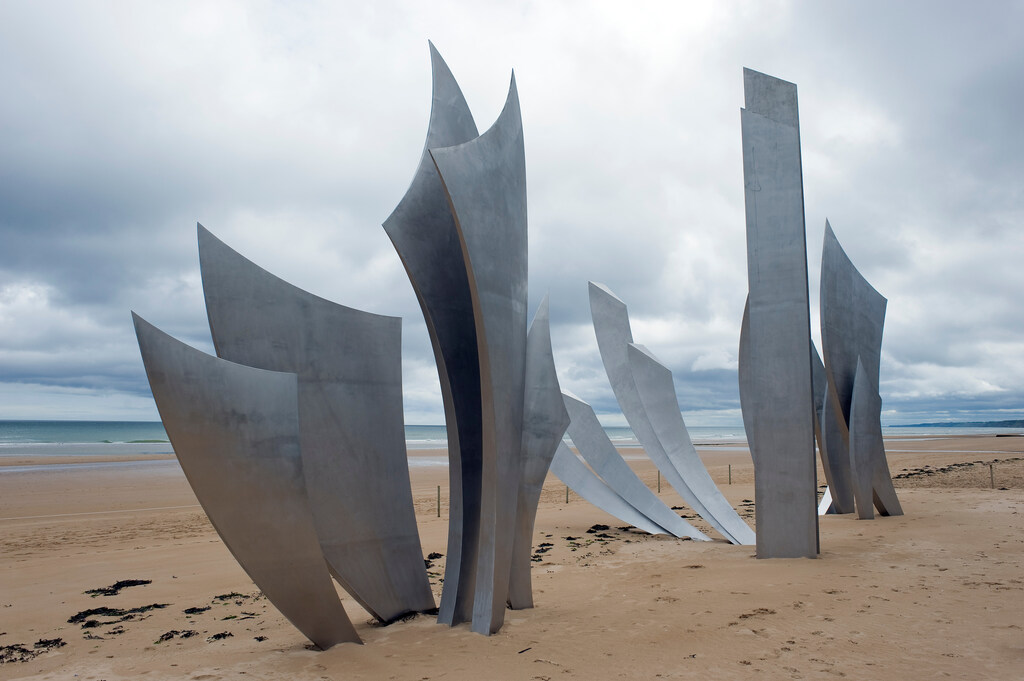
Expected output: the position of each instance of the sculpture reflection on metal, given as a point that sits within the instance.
(852, 318)
(581, 480)
(657, 391)
(422, 229)
(544, 423)
(235, 431)
(485, 181)
(775, 366)
(592, 443)
(648, 403)
(349, 368)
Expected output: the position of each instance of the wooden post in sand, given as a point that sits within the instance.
(439, 501)
(567, 494)
(659, 482)
(992, 476)
(730, 474)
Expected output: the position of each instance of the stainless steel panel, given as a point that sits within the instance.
(423, 232)
(872, 481)
(235, 431)
(677, 460)
(485, 180)
(580, 479)
(597, 450)
(852, 320)
(658, 394)
(832, 451)
(775, 368)
(544, 423)
(349, 367)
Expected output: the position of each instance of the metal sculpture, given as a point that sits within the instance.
(544, 423)
(593, 444)
(349, 368)
(235, 429)
(580, 479)
(658, 394)
(642, 393)
(422, 229)
(835, 460)
(852, 318)
(485, 181)
(872, 483)
(775, 355)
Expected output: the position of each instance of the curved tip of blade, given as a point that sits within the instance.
(542, 314)
(601, 293)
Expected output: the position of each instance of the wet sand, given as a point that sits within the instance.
(936, 593)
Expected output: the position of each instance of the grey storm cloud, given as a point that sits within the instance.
(291, 131)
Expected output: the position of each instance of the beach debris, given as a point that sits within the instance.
(233, 596)
(19, 653)
(431, 557)
(122, 614)
(597, 528)
(928, 470)
(196, 610)
(259, 638)
(115, 588)
(542, 548)
(757, 612)
(167, 636)
(219, 637)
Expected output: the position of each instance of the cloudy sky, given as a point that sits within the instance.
(291, 130)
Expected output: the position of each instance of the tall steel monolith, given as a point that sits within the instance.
(775, 357)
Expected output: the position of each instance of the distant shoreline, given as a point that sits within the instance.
(1011, 423)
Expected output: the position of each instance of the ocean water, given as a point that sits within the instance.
(152, 432)
(147, 435)
(81, 432)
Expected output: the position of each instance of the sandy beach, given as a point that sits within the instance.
(937, 593)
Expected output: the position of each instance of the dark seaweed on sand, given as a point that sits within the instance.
(187, 633)
(122, 614)
(116, 587)
(19, 653)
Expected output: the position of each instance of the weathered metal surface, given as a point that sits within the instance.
(580, 479)
(838, 452)
(872, 482)
(852, 320)
(658, 394)
(485, 180)
(852, 317)
(423, 232)
(746, 387)
(775, 368)
(235, 431)
(677, 459)
(349, 367)
(597, 450)
(835, 461)
(544, 422)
